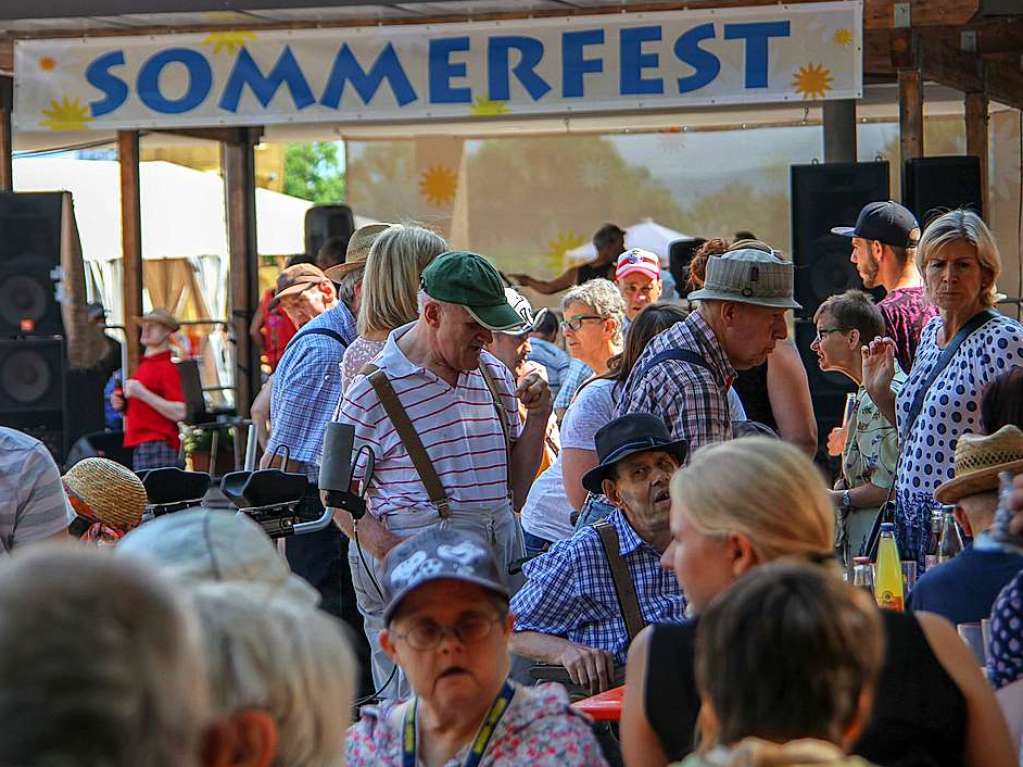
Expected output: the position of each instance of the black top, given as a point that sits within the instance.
(589, 272)
(919, 713)
(751, 386)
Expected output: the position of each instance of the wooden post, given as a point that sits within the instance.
(839, 118)
(131, 242)
(6, 134)
(911, 114)
(238, 165)
(977, 138)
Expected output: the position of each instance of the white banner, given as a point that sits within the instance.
(599, 63)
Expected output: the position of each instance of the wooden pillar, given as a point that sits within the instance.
(839, 118)
(131, 241)
(977, 138)
(6, 134)
(911, 114)
(238, 165)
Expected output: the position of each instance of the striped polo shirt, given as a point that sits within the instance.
(33, 504)
(457, 425)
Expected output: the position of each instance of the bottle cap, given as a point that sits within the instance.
(861, 560)
(887, 527)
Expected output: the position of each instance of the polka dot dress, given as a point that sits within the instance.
(950, 408)
(1005, 654)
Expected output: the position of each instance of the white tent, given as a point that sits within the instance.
(647, 234)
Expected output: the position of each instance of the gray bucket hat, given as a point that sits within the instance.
(749, 276)
(438, 554)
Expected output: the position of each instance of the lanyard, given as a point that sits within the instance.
(479, 743)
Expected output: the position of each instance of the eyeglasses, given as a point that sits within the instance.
(426, 635)
(576, 323)
(824, 332)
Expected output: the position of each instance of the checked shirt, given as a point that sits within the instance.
(570, 591)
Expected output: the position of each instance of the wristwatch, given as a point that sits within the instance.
(846, 503)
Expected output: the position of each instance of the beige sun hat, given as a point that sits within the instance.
(104, 491)
(358, 250)
(978, 461)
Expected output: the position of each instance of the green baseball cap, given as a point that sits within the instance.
(469, 280)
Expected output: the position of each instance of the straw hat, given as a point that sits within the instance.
(162, 317)
(978, 461)
(358, 250)
(104, 491)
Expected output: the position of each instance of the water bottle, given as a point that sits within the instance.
(888, 578)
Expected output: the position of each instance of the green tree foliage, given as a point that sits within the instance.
(313, 172)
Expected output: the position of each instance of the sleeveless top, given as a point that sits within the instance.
(751, 385)
(589, 272)
(919, 717)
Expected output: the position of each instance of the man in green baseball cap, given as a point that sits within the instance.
(469, 280)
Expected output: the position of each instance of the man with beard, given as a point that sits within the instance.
(884, 252)
(588, 596)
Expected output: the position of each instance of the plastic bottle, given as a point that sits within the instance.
(934, 539)
(888, 578)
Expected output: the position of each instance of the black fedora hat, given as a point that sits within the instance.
(625, 436)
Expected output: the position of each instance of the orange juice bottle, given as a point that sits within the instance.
(888, 580)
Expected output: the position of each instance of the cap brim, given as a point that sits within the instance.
(983, 481)
(292, 290)
(638, 270)
(844, 231)
(771, 303)
(501, 317)
(593, 479)
(337, 272)
(485, 583)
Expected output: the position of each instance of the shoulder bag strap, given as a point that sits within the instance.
(502, 417)
(624, 587)
(409, 437)
(323, 332)
(679, 355)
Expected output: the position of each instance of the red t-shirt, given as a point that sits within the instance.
(277, 330)
(141, 422)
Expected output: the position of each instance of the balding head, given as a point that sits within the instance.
(100, 664)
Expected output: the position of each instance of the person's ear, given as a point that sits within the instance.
(431, 313)
(245, 739)
(877, 250)
(854, 339)
(611, 491)
(964, 521)
(744, 558)
(387, 645)
(328, 290)
(729, 312)
(864, 709)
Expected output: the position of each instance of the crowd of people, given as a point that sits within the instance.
(620, 491)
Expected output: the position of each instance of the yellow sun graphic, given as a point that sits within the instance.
(812, 81)
(842, 37)
(66, 114)
(47, 63)
(564, 242)
(437, 185)
(486, 108)
(229, 41)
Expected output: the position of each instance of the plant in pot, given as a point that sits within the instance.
(199, 447)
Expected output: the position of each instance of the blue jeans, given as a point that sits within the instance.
(534, 544)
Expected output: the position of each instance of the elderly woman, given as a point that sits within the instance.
(389, 286)
(593, 324)
(963, 349)
(448, 628)
(746, 502)
(868, 443)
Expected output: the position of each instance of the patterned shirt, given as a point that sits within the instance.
(307, 386)
(356, 356)
(906, 311)
(576, 375)
(570, 591)
(538, 729)
(33, 504)
(872, 447)
(1005, 651)
(692, 399)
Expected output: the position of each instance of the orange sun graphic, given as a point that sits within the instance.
(842, 37)
(812, 81)
(437, 185)
(66, 114)
(47, 63)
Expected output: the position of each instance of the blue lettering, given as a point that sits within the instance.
(633, 61)
(265, 87)
(705, 63)
(499, 88)
(115, 90)
(200, 79)
(442, 70)
(347, 69)
(756, 36)
(573, 65)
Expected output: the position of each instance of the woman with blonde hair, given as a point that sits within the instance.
(389, 287)
(747, 502)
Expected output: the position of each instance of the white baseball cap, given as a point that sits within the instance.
(637, 260)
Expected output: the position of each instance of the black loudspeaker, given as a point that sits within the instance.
(325, 221)
(32, 393)
(30, 270)
(933, 185)
(827, 390)
(824, 196)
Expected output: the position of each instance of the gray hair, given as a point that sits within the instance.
(604, 298)
(100, 664)
(291, 661)
(963, 225)
(346, 287)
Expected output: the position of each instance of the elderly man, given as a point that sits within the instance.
(638, 275)
(964, 588)
(101, 665)
(587, 597)
(441, 417)
(685, 373)
(152, 401)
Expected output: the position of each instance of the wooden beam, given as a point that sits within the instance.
(131, 241)
(911, 114)
(223, 135)
(238, 163)
(6, 134)
(968, 72)
(880, 14)
(977, 138)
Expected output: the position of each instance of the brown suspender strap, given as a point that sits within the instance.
(409, 437)
(502, 417)
(624, 587)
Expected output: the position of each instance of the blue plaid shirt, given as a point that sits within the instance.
(307, 387)
(570, 591)
(576, 375)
